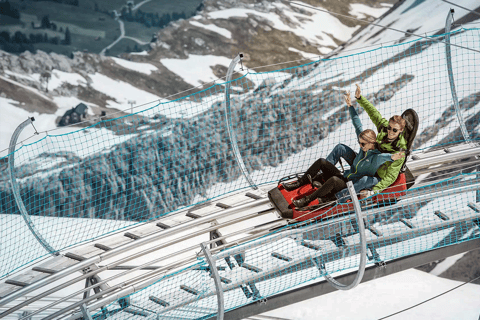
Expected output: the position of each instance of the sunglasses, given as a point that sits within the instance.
(363, 144)
(392, 129)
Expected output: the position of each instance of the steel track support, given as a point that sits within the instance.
(363, 248)
(216, 279)
(15, 189)
(448, 25)
(228, 121)
(85, 312)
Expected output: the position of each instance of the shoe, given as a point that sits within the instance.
(302, 202)
(317, 184)
(289, 186)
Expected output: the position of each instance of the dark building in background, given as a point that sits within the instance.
(74, 115)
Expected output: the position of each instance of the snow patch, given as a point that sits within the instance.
(196, 69)
(145, 68)
(361, 11)
(222, 31)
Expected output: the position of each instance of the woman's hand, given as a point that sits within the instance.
(347, 99)
(398, 155)
(366, 193)
(358, 93)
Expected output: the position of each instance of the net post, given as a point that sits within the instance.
(448, 25)
(231, 135)
(363, 249)
(15, 189)
(216, 279)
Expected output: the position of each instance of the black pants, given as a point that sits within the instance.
(334, 180)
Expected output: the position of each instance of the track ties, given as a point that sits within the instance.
(136, 312)
(162, 225)
(281, 256)
(374, 231)
(311, 246)
(44, 270)
(17, 283)
(223, 279)
(407, 223)
(74, 256)
(442, 215)
(250, 267)
(102, 246)
(159, 301)
(253, 196)
(222, 205)
(131, 236)
(474, 207)
(189, 290)
(193, 215)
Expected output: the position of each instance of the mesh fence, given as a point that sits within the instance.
(124, 171)
(289, 258)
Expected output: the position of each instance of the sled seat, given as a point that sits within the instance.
(282, 201)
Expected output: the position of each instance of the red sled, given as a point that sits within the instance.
(282, 200)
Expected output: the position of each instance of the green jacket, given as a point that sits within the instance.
(389, 171)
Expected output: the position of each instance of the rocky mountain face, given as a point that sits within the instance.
(260, 29)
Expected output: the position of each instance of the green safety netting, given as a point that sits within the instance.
(118, 172)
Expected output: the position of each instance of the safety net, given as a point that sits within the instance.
(116, 172)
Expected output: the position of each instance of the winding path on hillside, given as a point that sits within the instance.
(122, 31)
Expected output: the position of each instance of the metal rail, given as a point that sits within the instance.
(128, 246)
(154, 278)
(342, 220)
(16, 193)
(112, 265)
(371, 273)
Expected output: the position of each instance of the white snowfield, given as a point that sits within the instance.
(222, 31)
(145, 68)
(387, 295)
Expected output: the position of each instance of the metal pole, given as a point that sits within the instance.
(363, 248)
(448, 24)
(16, 193)
(231, 135)
(85, 312)
(216, 279)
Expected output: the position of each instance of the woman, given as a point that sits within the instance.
(362, 170)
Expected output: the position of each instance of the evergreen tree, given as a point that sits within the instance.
(68, 39)
(45, 24)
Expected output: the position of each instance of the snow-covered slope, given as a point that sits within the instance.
(188, 53)
(388, 295)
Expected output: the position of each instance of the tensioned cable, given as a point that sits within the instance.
(441, 294)
(379, 25)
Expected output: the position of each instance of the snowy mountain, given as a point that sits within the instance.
(188, 53)
(109, 84)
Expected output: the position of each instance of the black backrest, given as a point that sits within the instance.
(411, 127)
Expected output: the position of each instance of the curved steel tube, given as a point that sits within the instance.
(216, 279)
(448, 24)
(231, 135)
(363, 243)
(16, 193)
